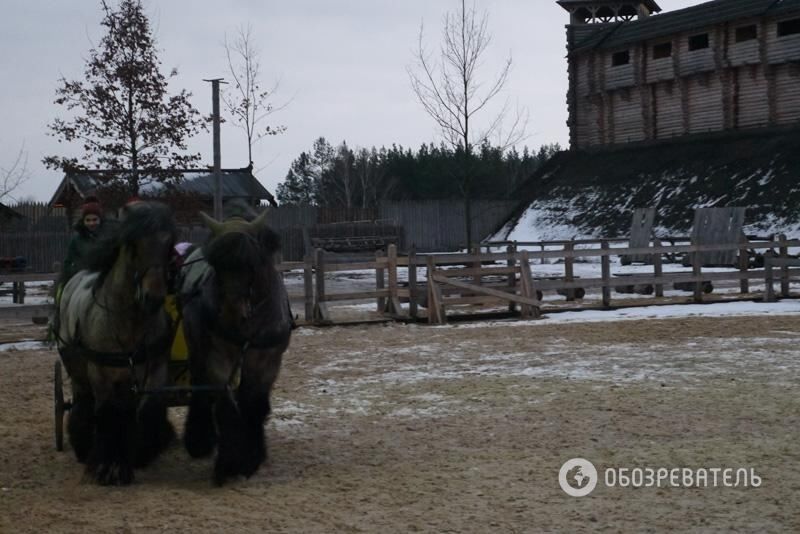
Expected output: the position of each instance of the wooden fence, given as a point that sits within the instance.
(42, 236)
(489, 278)
(507, 277)
(435, 225)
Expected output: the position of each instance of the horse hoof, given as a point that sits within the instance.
(199, 447)
(112, 474)
(249, 465)
(226, 469)
(199, 442)
(199, 436)
(152, 446)
(221, 476)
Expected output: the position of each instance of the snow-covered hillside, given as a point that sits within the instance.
(593, 194)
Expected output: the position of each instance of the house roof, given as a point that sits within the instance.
(9, 213)
(620, 34)
(235, 183)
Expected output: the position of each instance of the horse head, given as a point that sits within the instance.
(138, 253)
(242, 255)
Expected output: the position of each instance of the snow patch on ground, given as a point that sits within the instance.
(23, 345)
(363, 381)
(726, 309)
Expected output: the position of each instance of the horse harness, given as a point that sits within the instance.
(111, 359)
(120, 359)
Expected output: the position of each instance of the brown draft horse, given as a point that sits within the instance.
(237, 324)
(113, 338)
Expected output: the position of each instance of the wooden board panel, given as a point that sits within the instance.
(628, 120)
(705, 103)
(668, 110)
(719, 226)
(641, 233)
(752, 106)
(486, 291)
(782, 49)
(787, 88)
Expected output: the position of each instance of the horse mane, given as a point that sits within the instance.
(236, 251)
(141, 220)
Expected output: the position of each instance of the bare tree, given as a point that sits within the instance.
(248, 104)
(374, 183)
(16, 175)
(452, 92)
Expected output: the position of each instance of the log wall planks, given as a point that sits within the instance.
(746, 76)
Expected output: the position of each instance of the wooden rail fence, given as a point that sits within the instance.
(507, 278)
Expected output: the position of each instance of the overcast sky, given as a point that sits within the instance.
(341, 65)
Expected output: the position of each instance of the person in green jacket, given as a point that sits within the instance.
(87, 230)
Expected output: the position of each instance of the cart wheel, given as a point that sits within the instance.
(58, 397)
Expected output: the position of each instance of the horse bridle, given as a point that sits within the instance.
(240, 340)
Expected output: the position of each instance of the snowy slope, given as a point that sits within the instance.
(593, 194)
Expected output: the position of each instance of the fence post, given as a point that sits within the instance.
(394, 307)
(320, 308)
(528, 290)
(658, 270)
(436, 314)
(18, 292)
(769, 291)
(412, 281)
(744, 265)
(512, 276)
(569, 272)
(379, 281)
(308, 287)
(605, 264)
(477, 278)
(784, 255)
(697, 271)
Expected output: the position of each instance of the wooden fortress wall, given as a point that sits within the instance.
(731, 84)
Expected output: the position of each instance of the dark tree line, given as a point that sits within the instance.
(361, 178)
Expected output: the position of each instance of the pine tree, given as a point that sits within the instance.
(298, 186)
(123, 115)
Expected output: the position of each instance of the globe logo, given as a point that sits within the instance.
(577, 477)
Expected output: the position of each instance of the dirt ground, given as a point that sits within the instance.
(405, 428)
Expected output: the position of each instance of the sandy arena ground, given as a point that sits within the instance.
(405, 428)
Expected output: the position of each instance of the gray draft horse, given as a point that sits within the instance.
(237, 324)
(114, 336)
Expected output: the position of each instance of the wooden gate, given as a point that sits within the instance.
(477, 290)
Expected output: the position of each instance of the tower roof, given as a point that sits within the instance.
(682, 20)
(569, 4)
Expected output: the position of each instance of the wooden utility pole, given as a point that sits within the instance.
(217, 152)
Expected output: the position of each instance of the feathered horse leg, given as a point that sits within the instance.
(232, 450)
(80, 422)
(200, 434)
(154, 431)
(258, 376)
(110, 461)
